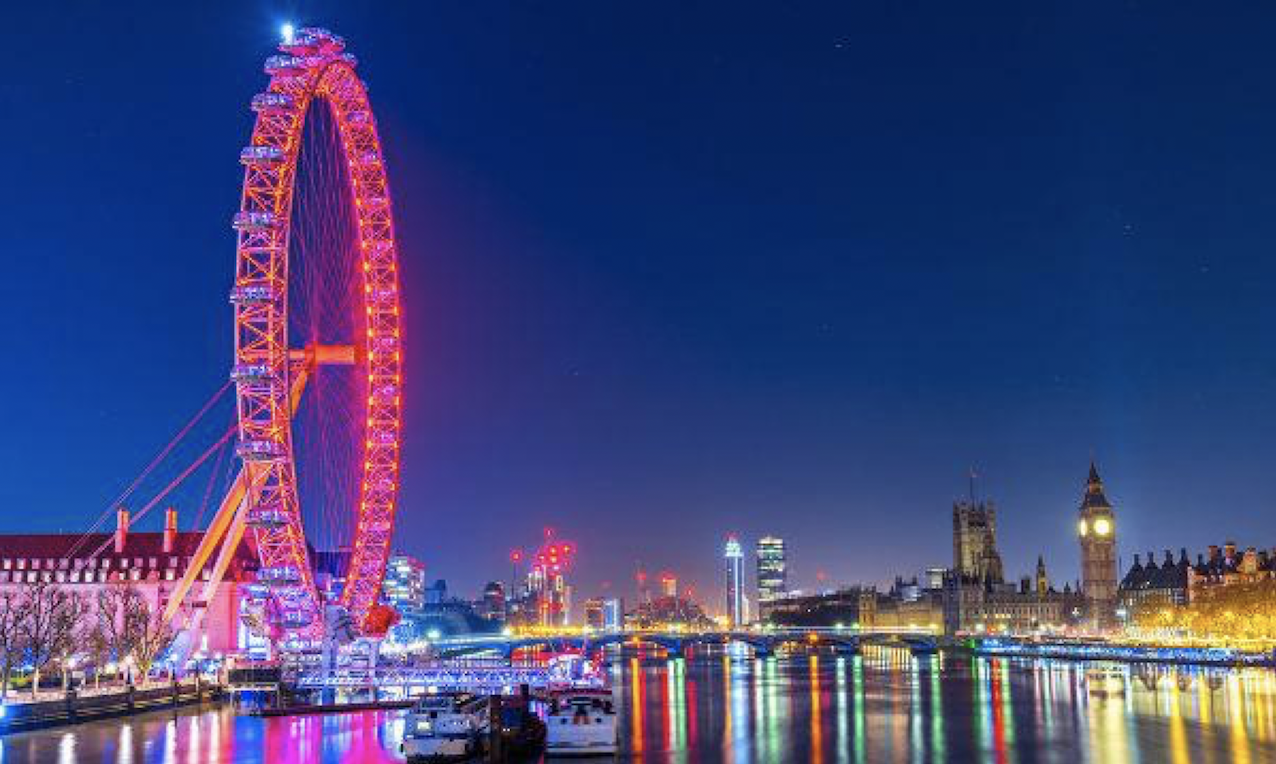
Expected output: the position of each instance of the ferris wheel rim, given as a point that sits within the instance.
(267, 382)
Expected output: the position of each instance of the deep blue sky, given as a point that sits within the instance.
(678, 269)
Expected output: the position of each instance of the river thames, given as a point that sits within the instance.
(882, 706)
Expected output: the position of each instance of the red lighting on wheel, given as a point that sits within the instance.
(324, 74)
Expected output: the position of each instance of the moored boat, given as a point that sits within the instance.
(581, 723)
(445, 728)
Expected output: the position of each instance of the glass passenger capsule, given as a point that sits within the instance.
(263, 517)
(259, 450)
(251, 294)
(273, 102)
(261, 155)
(281, 575)
(254, 221)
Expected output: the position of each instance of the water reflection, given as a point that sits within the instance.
(884, 705)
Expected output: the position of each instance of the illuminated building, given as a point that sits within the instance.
(1096, 530)
(549, 597)
(666, 612)
(1155, 585)
(595, 614)
(735, 582)
(851, 607)
(404, 586)
(975, 598)
(613, 614)
(975, 555)
(668, 585)
(1226, 566)
(492, 605)
(974, 608)
(772, 571)
(151, 562)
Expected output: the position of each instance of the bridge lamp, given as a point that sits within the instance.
(432, 635)
(287, 32)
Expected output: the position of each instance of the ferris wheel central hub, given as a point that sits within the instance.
(325, 355)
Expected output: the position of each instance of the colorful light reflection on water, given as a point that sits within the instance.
(882, 706)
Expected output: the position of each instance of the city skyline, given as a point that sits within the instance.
(826, 317)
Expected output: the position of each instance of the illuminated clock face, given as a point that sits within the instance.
(1083, 529)
(1102, 527)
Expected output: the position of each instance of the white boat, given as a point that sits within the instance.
(581, 722)
(445, 728)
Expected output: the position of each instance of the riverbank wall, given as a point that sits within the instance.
(73, 708)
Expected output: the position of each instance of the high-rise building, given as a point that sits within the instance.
(613, 614)
(668, 585)
(735, 582)
(772, 570)
(975, 555)
(404, 586)
(492, 605)
(1097, 532)
(595, 613)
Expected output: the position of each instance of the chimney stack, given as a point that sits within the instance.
(121, 529)
(170, 530)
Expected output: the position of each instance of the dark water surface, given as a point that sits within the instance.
(883, 706)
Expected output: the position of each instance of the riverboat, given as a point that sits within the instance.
(581, 722)
(445, 728)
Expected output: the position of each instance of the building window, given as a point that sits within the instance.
(137, 562)
(124, 563)
(168, 575)
(153, 563)
(137, 574)
(7, 563)
(22, 564)
(172, 562)
(61, 577)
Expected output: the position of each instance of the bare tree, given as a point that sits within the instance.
(149, 634)
(130, 628)
(98, 648)
(73, 629)
(11, 616)
(45, 630)
(110, 622)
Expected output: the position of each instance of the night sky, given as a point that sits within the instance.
(674, 270)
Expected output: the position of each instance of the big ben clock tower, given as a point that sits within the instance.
(1097, 533)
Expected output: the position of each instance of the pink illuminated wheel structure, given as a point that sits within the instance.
(273, 366)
